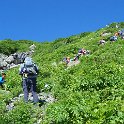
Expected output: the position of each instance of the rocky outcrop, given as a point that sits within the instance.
(105, 34)
(10, 59)
(32, 48)
(3, 63)
(7, 62)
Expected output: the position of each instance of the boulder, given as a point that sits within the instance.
(32, 47)
(105, 34)
(3, 63)
(10, 59)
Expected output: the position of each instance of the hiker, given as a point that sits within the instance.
(29, 71)
(64, 59)
(76, 57)
(67, 60)
(121, 33)
(2, 79)
(102, 42)
(122, 36)
(82, 51)
(113, 38)
(116, 34)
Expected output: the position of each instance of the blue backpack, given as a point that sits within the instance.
(29, 67)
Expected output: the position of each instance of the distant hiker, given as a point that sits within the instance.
(113, 38)
(76, 57)
(67, 60)
(102, 42)
(64, 59)
(29, 71)
(82, 51)
(116, 34)
(2, 79)
(117, 26)
(122, 36)
(121, 33)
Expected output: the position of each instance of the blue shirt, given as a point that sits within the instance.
(1, 80)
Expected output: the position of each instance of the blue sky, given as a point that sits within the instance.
(47, 20)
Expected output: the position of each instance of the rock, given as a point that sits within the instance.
(10, 59)
(54, 64)
(4, 92)
(3, 57)
(32, 47)
(3, 64)
(10, 107)
(14, 59)
(38, 122)
(21, 95)
(46, 85)
(72, 63)
(43, 97)
(105, 34)
(50, 99)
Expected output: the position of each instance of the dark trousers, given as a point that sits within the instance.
(1, 85)
(29, 84)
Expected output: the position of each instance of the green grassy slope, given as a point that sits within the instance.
(91, 92)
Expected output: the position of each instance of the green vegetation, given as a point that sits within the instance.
(91, 92)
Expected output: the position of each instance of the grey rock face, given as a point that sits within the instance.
(10, 59)
(7, 62)
(32, 47)
(105, 34)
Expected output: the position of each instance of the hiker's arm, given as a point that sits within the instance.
(21, 70)
(36, 69)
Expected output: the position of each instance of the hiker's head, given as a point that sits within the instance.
(3, 75)
(68, 58)
(28, 61)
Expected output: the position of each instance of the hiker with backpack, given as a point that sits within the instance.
(116, 34)
(121, 33)
(113, 38)
(82, 51)
(102, 42)
(67, 60)
(76, 57)
(29, 71)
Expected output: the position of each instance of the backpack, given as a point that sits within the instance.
(29, 67)
(80, 51)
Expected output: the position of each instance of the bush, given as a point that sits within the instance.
(8, 47)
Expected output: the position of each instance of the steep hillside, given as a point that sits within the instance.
(92, 92)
